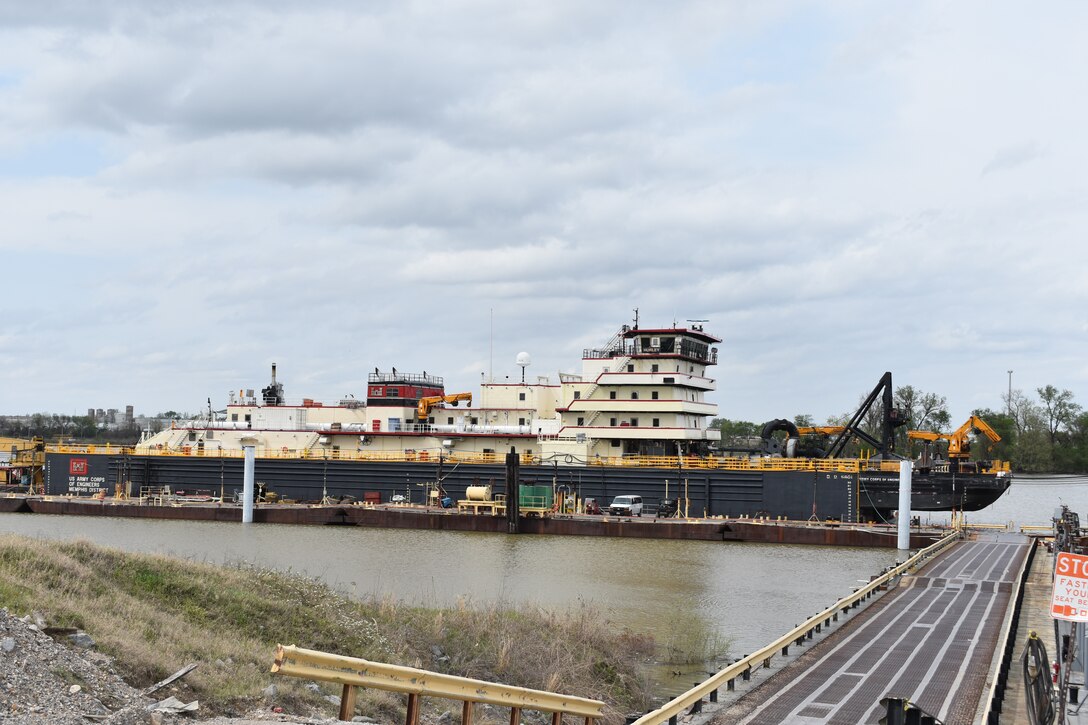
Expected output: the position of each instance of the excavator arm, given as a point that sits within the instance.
(959, 441)
(423, 408)
(827, 430)
(959, 445)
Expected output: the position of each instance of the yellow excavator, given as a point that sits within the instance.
(959, 441)
(423, 409)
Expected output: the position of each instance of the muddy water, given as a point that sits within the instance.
(748, 594)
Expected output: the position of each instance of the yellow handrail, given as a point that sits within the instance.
(354, 672)
(685, 463)
(679, 704)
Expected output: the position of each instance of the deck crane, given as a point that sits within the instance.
(959, 441)
(423, 408)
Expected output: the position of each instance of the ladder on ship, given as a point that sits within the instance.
(617, 364)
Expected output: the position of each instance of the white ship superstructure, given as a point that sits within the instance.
(642, 394)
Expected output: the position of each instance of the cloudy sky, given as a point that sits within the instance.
(191, 191)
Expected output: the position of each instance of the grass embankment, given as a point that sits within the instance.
(155, 614)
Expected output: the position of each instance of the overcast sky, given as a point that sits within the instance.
(191, 191)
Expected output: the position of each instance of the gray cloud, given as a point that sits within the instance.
(337, 188)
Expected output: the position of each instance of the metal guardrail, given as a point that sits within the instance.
(742, 668)
(996, 695)
(352, 672)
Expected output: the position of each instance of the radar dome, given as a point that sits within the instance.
(523, 359)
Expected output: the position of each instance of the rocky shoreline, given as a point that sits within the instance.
(56, 677)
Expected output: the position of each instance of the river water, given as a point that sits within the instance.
(748, 594)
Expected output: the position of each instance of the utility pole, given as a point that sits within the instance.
(1009, 399)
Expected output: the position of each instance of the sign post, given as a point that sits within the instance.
(1070, 597)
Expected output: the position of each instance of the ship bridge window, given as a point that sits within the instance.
(392, 392)
(612, 395)
(192, 435)
(634, 395)
(657, 422)
(634, 422)
(581, 421)
(521, 421)
(577, 394)
(612, 422)
(653, 368)
(234, 417)
(449, 421)
(521, 396)
(615, 444)
(670, 380)
(653, 394)
(248, 417)
(630, 368)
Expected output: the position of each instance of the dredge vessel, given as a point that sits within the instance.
(633, 422)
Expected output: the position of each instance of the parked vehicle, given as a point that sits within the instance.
(626, 506)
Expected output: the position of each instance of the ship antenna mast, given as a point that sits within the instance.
(636, 318)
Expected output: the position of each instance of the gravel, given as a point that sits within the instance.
(43, 681)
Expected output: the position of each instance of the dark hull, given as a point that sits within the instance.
(800, 495)
(933, 491)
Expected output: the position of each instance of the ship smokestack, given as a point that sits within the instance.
(273, 373)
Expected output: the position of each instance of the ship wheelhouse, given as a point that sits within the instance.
(643, 393)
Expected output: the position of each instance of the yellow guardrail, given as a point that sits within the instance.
(742, 668)
(352, 672)
(828, 465)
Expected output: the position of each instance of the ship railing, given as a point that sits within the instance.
(839, 465)
(89, 448)
(352, 672)
(433, 381)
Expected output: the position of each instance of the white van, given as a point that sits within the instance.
(626, 506)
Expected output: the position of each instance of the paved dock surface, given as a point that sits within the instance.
(930, 641)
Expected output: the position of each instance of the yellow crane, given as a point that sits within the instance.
(423, 409)
(28, 456)
(827, 430)
(959, 440)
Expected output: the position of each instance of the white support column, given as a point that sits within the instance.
(247, 482)
(905, 470)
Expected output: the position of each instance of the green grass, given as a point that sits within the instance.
(155, 614)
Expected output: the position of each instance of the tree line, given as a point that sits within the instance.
(55, 428)
(1043, 434)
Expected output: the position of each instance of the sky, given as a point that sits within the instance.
(192, 191)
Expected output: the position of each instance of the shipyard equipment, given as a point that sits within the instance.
(425, 404)
(959, 441)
